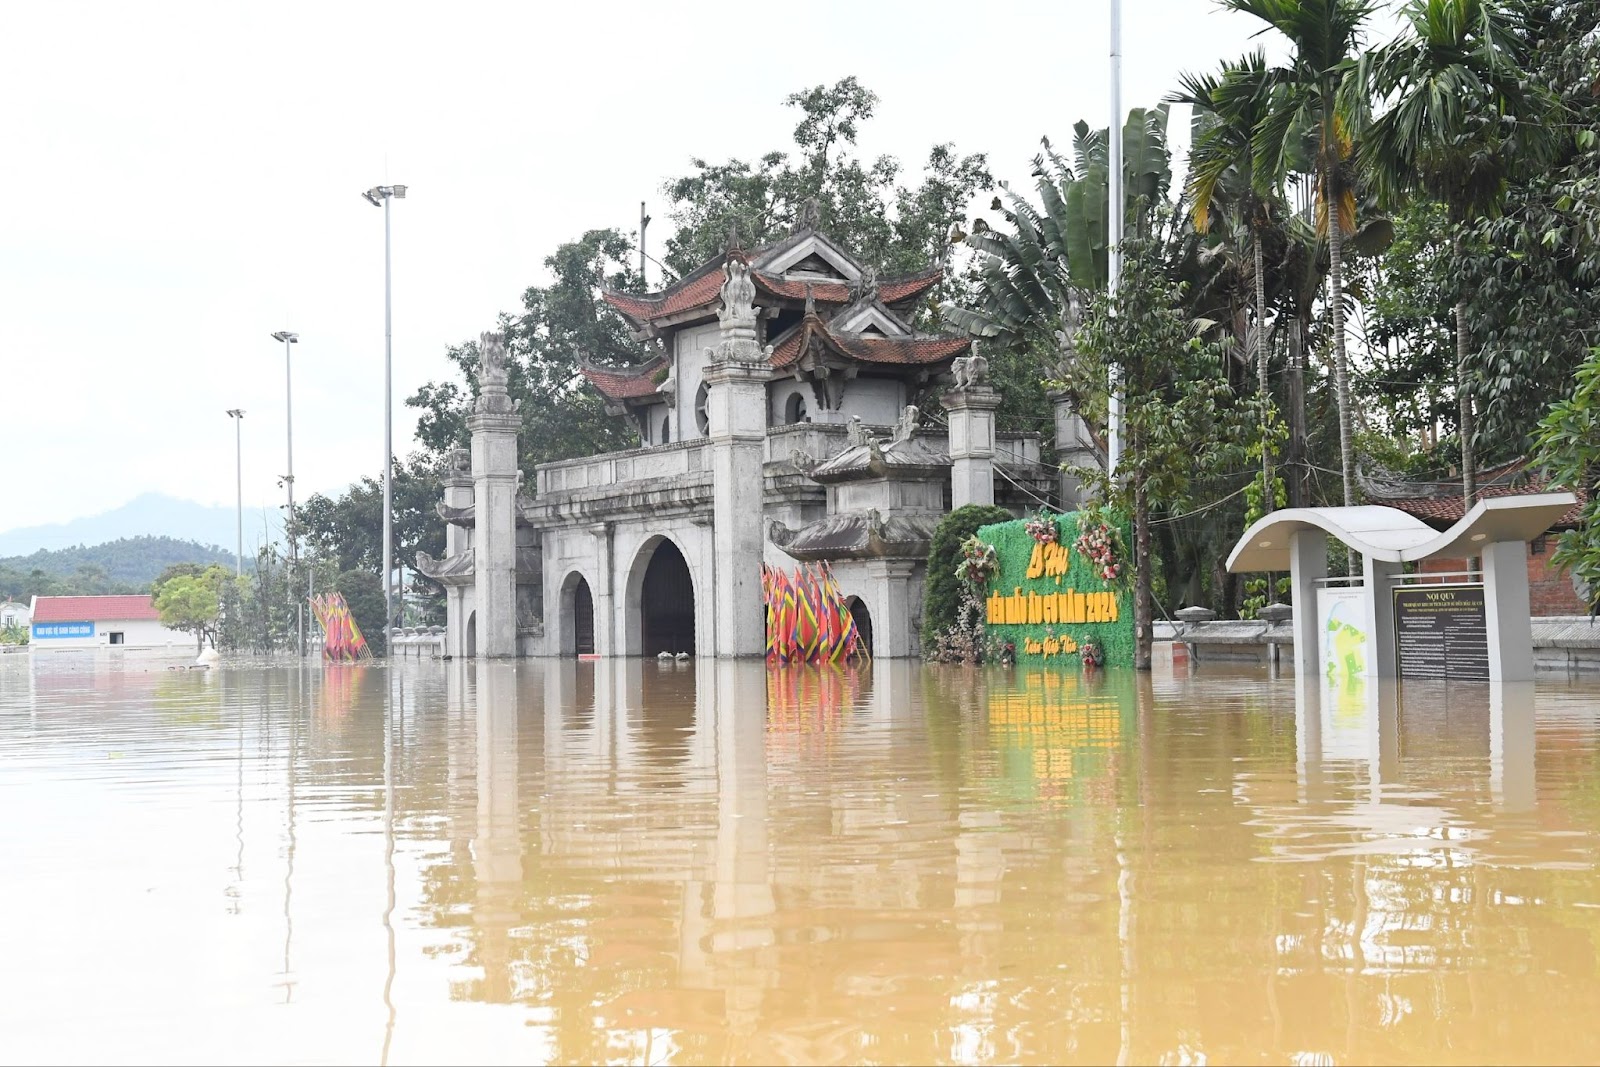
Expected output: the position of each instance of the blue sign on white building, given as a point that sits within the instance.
(45, 631)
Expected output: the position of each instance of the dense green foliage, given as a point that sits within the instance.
(1569, 446)
(941, 596)
(363, 592)
(127, 565)
(193, 602)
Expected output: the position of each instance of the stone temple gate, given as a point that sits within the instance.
(775, 418)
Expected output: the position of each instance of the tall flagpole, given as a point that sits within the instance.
(1117, 212)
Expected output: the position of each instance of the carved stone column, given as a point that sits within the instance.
(736, 375)
(457, 483)
(494, 424)
(971, 409)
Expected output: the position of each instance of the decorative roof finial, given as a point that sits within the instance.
(811, 301)
(733, 237)
(810, 215)
(868, 286)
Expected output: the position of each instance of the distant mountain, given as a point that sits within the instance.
(126, 565)
(149, 515)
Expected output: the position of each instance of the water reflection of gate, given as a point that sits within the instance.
(1059, 732)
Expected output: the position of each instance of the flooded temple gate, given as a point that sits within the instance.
(669, 862)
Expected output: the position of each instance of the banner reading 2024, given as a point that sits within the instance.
(1049, 596)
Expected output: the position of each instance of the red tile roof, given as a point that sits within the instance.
(630, 384)
(1447, 509)
(890, 290)
(900, 350)
(94, 608)
(703, 288)
(698, 290)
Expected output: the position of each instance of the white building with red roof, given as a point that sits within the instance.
(776, 405)
(78, 622)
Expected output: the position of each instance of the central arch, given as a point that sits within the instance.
(661, 604)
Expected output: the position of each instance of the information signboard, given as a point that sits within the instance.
(48, 631)
(1440, 631)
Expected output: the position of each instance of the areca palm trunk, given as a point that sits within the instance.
(1341, 367)
(1469, 470)
(1267, 499)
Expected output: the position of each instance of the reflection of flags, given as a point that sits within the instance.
(342, 640)
(808, 620)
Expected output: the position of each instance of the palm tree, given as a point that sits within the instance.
(1228, 109)
(1313, 93)
(1451, 81)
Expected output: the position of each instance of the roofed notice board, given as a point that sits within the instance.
(1440, 631)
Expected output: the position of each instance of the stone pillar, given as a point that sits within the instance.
(603, 593)
(1308, 564)
(736, 376)
(494, 424)
(971, 409)
(457, 483)
(1506, 611)
(894, 631)
(1074, 448)
(1379, 576)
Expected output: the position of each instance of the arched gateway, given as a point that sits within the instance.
(660, 606)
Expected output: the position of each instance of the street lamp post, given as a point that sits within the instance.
(380, 195)
(289, 339)
(237, 415)
(1118, 212)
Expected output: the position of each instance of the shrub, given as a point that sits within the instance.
(941, 598)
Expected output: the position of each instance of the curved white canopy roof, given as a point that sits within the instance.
(1392, 535)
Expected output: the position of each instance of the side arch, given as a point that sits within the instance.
(576, 612)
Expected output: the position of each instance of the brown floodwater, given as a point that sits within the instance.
(633, 862)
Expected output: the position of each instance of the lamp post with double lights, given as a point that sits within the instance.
(288, 338)
(237, 415)
(379, 196)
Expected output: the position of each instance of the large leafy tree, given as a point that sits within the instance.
(1229, 107)
(1461, 115)
(1533, 276)
(896, 227)
(1311, 93)
(1179, 415)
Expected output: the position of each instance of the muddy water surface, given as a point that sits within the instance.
(628, 862)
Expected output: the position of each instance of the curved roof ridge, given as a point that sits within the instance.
(1394, 536)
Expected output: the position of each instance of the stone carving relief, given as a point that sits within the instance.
(492, 375)
(907, 427)
(972, 371)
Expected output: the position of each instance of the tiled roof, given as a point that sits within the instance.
(1443, 511)
(94, 608)
(631, 384)
(697, 290)
(890, 290)
(896, 350)
(704, 286)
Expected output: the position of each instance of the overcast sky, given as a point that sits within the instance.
(182, 180)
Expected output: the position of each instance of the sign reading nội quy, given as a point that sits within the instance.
(1050, 598)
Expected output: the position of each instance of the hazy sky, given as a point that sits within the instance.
(182, 180)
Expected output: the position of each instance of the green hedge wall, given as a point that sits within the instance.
(942, 595)
(1014, 548)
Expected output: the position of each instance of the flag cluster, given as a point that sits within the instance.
(807, 618)
(342, 641)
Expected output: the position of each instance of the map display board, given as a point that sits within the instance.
(1342, 624)
(1440, 631)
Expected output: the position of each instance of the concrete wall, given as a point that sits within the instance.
(874, 400)
(691, 345)
(137, 633)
